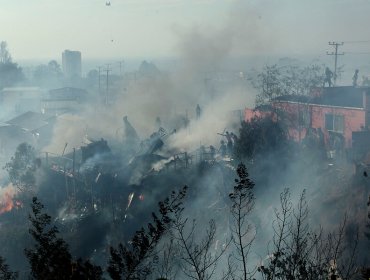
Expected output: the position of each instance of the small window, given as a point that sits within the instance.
(304, 118)
(334, 123)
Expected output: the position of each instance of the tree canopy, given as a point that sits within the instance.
(22, 166)
(277, 80)
(260, 136)
(10, 73)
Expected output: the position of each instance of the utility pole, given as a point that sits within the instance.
(120, 66)
(107, 89)
(99, 67)
(335, 53)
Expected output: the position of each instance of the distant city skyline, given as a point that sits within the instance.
(42, 29)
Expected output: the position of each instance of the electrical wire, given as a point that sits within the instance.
(357, 42)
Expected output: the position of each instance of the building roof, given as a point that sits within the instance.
(344, 96)
(341, 96)
(30, 121)
(23, 89)
(12, 132)
(66, 93)
(294, 98)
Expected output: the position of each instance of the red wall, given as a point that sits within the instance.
(354, 119)
(249, 114)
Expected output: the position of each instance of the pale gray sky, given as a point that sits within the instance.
(36, 29)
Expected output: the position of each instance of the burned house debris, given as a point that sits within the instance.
(104, 192)
(95, 148)
(147, 163)
(155, 142)
(131, 138)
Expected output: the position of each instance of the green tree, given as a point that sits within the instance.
(22, 167)
(5, 273)
(288, 80)
(298, 252)
(242, 203)
(275, 81)
(54, 68)
(270, 84)
(50, 258)
(48, 75)
(197, 257)
(86, 270)
(135, 260)
(260, 136)
(5, 56)
(10, 73)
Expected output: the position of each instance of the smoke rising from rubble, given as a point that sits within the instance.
(202, 56)
(203, 53)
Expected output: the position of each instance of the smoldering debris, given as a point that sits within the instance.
(93, 149)
(108, 191)
(8, 198)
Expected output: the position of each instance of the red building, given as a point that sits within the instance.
(334, 111)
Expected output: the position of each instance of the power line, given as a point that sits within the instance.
(357, 52)
(335, 53)
(356, 42)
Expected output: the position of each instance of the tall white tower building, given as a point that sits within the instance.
(71, 61)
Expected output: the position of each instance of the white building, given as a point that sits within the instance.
(17, 100)
(62, 100)
(71, 61)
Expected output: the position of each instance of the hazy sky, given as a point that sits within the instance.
(37, 29)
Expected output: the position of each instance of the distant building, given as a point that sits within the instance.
(338, 112)
(33, 124)
(10, 137)
(71, 61)
(148, 70)
(62, 100)
(17, 100)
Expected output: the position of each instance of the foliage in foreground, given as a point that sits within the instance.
(270, 134)
(135, 259)
(5, 272)
(50, 257)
